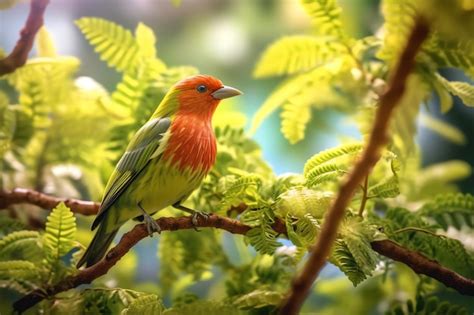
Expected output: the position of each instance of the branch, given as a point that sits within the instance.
(22, 195)
(378, 138)
(423, 265)
(416, 261)
(127, 241)
(19, 54)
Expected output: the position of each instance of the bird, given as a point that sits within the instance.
(164, 162)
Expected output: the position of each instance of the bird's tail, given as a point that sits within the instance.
(98, 247)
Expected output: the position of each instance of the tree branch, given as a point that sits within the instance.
(19, 54)
(423, 265)
(378, 138)
(22, 195)
(416, 261)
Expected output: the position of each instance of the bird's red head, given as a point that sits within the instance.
(200, 95)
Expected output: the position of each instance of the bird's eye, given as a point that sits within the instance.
(201, 88)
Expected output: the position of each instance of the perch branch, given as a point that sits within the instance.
(416, 261)
(19, 54)
(378, 138)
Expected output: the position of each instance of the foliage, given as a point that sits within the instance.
(63, 134)
(335, 64)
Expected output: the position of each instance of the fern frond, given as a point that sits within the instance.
(403, 125)
(299, 201)
(243, 189)
(427, 305)
(294, 118)
(295, 54)
(20, 245)
(171, 75)
(60, 232)
(442, 128)
(263, 239)
(18, 285)
(331, 154)
(45, 44)
(453, 53)
(306, 228)
(389, 188)
(450, 210)
(258, 299)
(399, 18)
(112, 42)
(21, 269)
(252, 217)
(326, 17)
(344, 260)
(463, 90)
(35, 81)
(442, 174)
(204, 307)
(146, 40)
(285, 91)
(149, 304)
(9, 225)
(7, 125)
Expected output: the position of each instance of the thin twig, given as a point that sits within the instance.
(378, 138)
(18, 196)
(19, 54)
(415, 229)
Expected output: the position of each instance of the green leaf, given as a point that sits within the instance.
(399, 18)
(7, 125)
(201, 307)
(258, 299)
(331, 154)
(326, 17)
(20, 245)
(294, 54)
(149, 304)
(21, 269)
(45, 44)
(444, 129)
(60, 232)
(344, 260)
(146, 40)
(403, 125)
(426, 305)
(294, 118)
(463, 90)
(287, 89)
(388, 188)
(450, 210)
(112, 42)
(453, 53)
(263, 239)
(299, 201)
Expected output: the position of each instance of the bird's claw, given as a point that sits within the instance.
(152, 226)
(195, 215)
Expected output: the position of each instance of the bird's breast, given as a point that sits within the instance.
(191, 145)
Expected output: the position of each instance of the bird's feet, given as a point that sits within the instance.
(194, 214)
(151, 225)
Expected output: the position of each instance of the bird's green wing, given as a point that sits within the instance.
(141, 149)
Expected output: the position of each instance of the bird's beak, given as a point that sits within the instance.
(225, 92)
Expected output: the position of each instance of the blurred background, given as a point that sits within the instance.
(225, 38)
